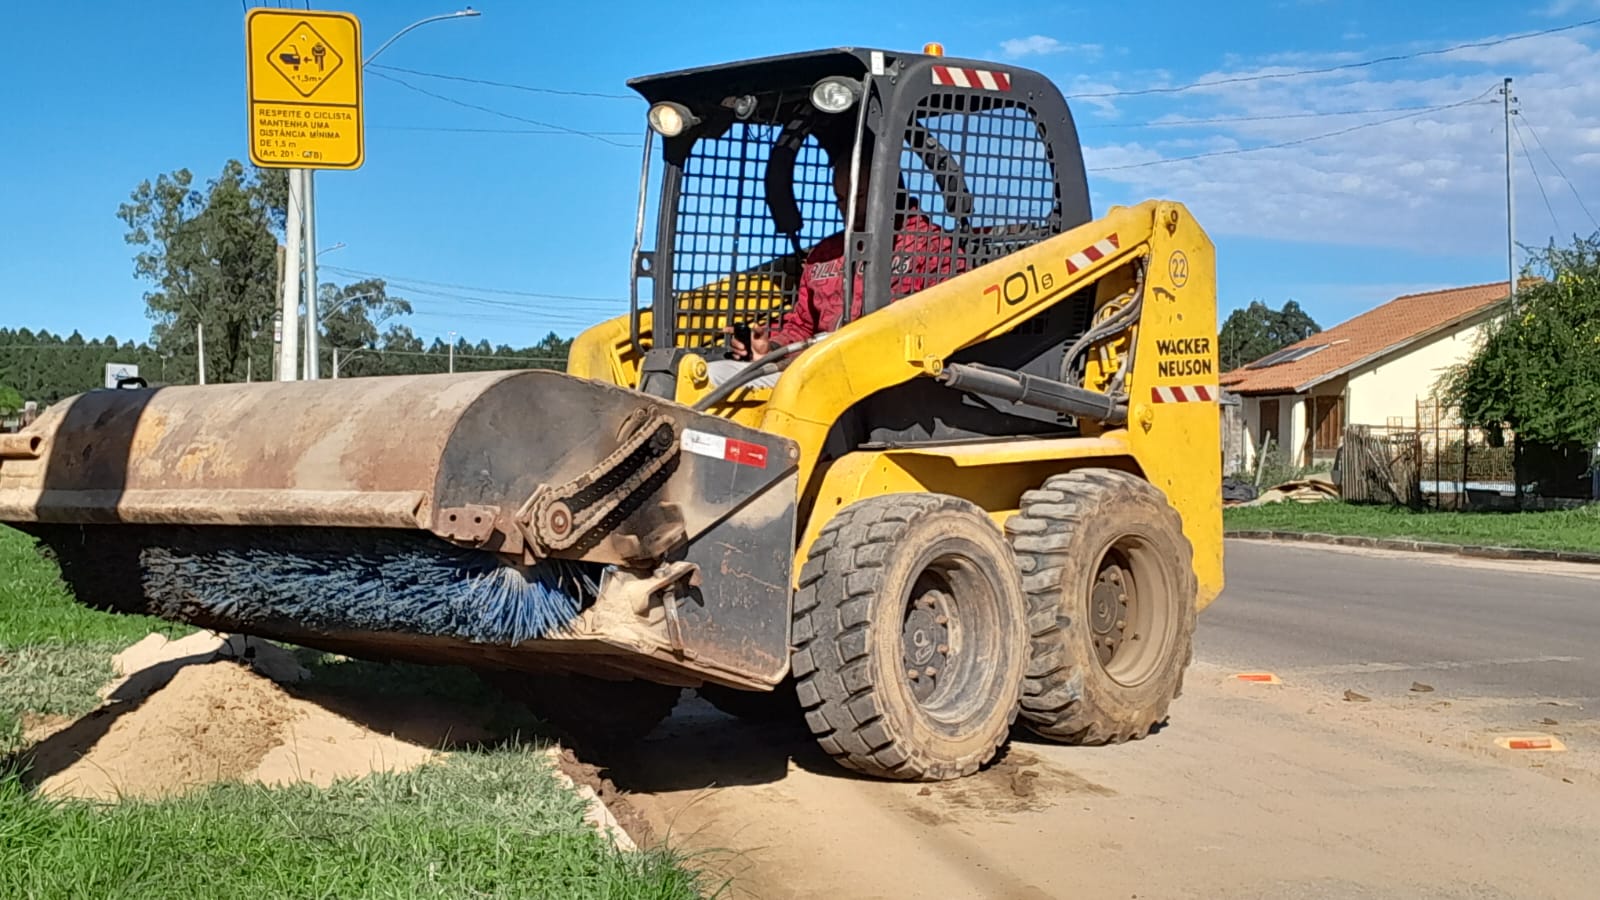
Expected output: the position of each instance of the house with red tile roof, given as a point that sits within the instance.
(1370, 370)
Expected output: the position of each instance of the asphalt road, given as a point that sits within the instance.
(1251, 791)
(1381, 621)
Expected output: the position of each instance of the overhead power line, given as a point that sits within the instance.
(1517, 130)
(506, 84)
(541, 306)
(1557, 166)
(467, 287)
(529, 320)
(1342, 67)
(495, 112)
(380, 351)
(1218, 120)
(501, 131)
(1295, 142)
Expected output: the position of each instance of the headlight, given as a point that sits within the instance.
(835, 94)
(671, 119)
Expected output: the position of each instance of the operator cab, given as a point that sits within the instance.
(987, 154)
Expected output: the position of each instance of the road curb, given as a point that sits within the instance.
(1352, 540)
(596, 814)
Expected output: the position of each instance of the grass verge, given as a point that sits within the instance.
(1574, 529)
(36, 607)
(55, 653)
(481, 823)
(492, 824)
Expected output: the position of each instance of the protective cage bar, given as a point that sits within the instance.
(978, 169)
(729, 261)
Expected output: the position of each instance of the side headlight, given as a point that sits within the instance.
(835, 94)
(671, 119)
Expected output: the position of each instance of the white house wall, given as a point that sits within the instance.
(1389, 391)
(1290, 429)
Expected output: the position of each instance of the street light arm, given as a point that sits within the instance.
(460, 13)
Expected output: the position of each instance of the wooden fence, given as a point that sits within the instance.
(1381, 465)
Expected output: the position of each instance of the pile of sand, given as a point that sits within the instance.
(204, 709)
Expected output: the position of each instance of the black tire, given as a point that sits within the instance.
(592, 710)
(908, 580)
(1111, 593)
(775, 705)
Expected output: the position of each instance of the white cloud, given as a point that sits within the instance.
(1431, 183)
(1557, 8)
(1040, 45)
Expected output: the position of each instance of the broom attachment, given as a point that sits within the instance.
(336, 580)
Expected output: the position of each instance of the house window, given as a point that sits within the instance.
(1269, 420)
(1327, 423)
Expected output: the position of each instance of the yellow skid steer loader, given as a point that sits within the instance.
(986, 487)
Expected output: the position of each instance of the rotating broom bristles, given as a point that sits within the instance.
(343, 580)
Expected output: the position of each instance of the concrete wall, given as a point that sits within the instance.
(1390, 390)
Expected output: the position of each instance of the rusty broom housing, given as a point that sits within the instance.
(438, 518)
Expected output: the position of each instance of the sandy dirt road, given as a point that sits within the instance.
(1251, 791)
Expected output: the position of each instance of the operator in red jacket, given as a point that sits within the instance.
(920, 250)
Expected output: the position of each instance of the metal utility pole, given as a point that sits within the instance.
(289, 351)
(452, 353)
(200, 347)
(1511, 227)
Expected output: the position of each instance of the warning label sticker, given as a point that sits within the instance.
(728, 449)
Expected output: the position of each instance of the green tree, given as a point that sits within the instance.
(1538, 372)
(43, 367)
(210, 257)
(10, 400)
(352, 319)
(1251, 333)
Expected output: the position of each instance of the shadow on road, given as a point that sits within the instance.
(700, 746)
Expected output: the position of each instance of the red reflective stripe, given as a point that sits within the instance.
(1183, 393)
(980, 79)
(746, 454)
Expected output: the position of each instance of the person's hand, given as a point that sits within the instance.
(759, 342)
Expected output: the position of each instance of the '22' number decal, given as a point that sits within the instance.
(1019, 286)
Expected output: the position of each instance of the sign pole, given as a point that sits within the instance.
(313, 315)
(289, 353)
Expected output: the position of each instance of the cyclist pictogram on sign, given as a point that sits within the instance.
(305, 58)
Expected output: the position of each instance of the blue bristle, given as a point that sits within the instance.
(356, 581)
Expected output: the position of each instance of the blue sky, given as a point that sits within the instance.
(104, 94)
